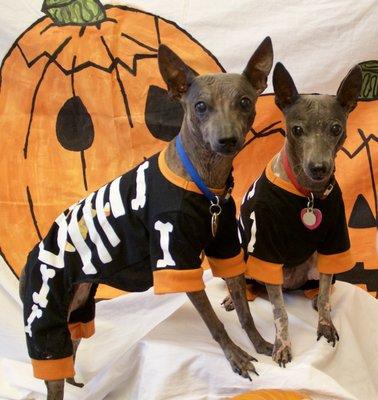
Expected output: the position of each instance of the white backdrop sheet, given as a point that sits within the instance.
(149, 347)
(317, 40)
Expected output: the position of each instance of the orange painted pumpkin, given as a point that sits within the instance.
(81, 102)
(272, 394)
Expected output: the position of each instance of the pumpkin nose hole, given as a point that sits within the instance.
(74, 126)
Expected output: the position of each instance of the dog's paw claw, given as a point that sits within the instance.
(282, 354)
(241, 362)
(329, 332)
(228, 304)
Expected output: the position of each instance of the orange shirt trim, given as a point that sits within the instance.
(175, 281)
(264, 271)
(276, 180)
(228, 267)
(335, 263)
(50, 370)
(178, 180)
(81, 330)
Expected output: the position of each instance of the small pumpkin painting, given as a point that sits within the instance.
(81, 102)
(272, 394)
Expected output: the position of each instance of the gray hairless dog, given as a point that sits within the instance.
(219, 110)
(288, 243)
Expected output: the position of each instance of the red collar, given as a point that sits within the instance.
(290, 174)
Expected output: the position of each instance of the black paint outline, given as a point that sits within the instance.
(31, 208)
(34, 98)
(8, 263)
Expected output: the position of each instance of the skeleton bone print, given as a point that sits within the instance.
(70, 228)
(130, 234)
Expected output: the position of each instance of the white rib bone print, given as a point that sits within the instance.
(140, 199)
(73, 231)
(36, 313)
(252, 242)
(40, 298)
(165, 229)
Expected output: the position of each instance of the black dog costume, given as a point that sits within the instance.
(145, 228)
(273, 234)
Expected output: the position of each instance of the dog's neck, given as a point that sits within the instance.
(213, 168)
(279, 170)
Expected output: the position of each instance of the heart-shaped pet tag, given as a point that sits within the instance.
(311, 218)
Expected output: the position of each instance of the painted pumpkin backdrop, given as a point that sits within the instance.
(81, 102)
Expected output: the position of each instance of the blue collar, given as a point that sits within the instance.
(191, 170)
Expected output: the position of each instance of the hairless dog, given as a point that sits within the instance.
(150, 226)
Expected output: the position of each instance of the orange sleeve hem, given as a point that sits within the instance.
(174, 281)
(81, 330)
(227, 267)
(335, 263)
(264, 271)
(50, 370)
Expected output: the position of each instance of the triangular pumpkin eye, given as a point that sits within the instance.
(163, 115)
(359, 275)
(361, 215)
(74, 126)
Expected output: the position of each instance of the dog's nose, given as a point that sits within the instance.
(228, 141)
(318, 170)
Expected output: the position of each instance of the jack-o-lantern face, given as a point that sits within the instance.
(81, 101)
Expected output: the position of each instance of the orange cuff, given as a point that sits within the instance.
(228, 267)
(264, 271)
(81, 330)
(335, 263)
(50, 370)
(174, 280)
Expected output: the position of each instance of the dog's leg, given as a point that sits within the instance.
(75, 345)
(240, 361)
(237, 288)
(55, 389)
(282, 346)
(325, 325)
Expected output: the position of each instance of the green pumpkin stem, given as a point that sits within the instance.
(74, 12)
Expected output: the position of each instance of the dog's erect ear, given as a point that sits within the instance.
(285, 91)
(259, 65)
(176, 74)
(350, 89)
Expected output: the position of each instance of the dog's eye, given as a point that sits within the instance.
(297, 130)
(336, 129)
(245, 103)
(201, 107)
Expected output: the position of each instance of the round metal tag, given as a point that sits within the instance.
(311, 218)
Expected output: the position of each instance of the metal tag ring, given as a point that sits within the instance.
(215, 209)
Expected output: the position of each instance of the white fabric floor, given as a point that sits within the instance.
(149, 347)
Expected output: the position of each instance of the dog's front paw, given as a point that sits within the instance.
(228, 304)
(282, 352)
(241, 362)
(327, 329)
